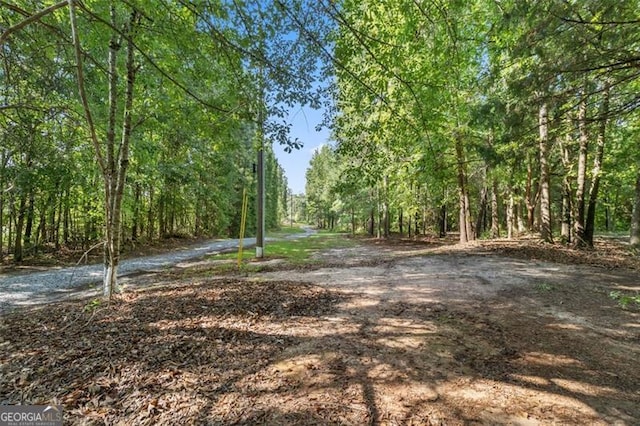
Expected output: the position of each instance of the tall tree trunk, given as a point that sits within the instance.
(531, 197)
(66, 225)
(12, 221)
(597, 168)
(17, 248)
(12, 215)
(583, 140)
(482, 211)
(401, 223)
(511, 218)
(443, 221)
(3, 157)
(466, 231)
(567, 195)
(1, 221)
(495, 218)
(58, 218)
(113, 171)
(607, 215)
(28, 228)
(545, 201)
(634, 238)
(386, 220)
(150, 216)
(136, 213)
(353, 221)
(41, 232)
(113, 245)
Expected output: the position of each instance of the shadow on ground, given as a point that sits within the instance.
(235, 351)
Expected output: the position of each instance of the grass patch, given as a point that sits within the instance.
(295, 252)
(545, 287)
(285, 231)
(625, 300)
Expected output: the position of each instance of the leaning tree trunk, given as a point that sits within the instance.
(545, 204)
(597, 169)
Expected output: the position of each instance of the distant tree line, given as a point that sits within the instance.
(482, 117)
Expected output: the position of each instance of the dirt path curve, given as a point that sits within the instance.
(36, 288)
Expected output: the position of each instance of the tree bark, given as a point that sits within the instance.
(1, 220)
(443, 221)
(150, 216)
(597, 168)
(113, 172)
(531, 197)
(136, 214)
(466, 231)
(567, 195)
(579, 224)
(634, 238)
(28, 228)
(386, 220)
(495, 218)
(17, 248)
(545, 202)
(3, 156)
(372, 222)
(482, 211)
(113, 245)
(510, 216)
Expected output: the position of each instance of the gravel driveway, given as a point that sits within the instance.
(40, 287)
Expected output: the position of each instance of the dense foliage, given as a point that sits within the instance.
(175, 99)
(485, 117)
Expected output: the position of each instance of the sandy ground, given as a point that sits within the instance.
(481, 338)
(378, 335)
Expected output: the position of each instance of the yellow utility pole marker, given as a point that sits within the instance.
(243, 221)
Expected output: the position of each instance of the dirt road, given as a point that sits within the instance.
(371, 335)
(477, 338)
(52, 284)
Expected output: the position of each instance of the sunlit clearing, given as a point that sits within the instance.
(565, 326)
(541, 358)
(534, 380)
(584, 388)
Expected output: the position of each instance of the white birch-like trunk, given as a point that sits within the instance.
(110, 283)
(579, 217)
(545, 199)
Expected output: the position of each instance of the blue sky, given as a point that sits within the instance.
(304, 121)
